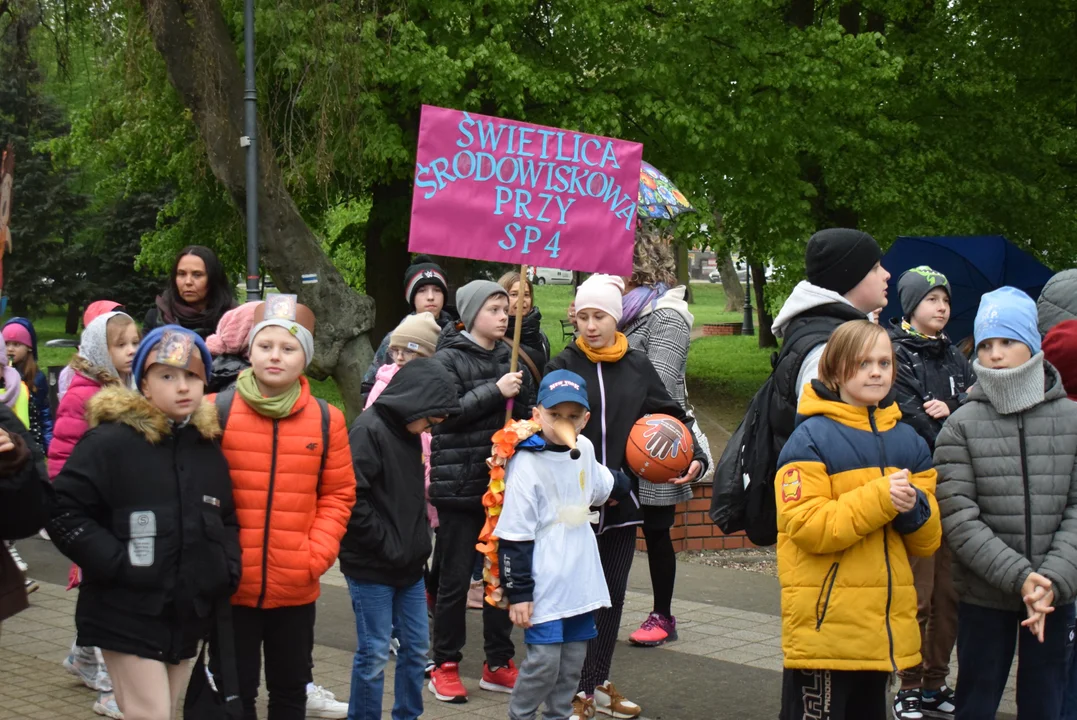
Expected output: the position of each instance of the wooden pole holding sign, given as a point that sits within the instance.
(514, 363)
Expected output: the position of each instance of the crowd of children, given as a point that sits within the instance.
(922, 500)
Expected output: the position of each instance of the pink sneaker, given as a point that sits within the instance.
(656, 630)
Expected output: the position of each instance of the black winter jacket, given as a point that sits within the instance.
(226, 370)
(928, 369)
(619, 394)
(459, 446)
(146, 510)
(533, 342)
(388, 538)
(24, 504)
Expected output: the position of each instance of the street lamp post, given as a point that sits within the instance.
(748, 326)
(250, 141)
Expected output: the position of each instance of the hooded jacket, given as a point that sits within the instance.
(1058, 300)
(806, 321)
(291, 519)
(39, 392)
(533, 342)
(620, 393)
(460, 445)
(24, 505)
(1008, 494)
(144, 506)
(226, 370)
(71, 422)
(388, 538)
(928, 369)
(848, 599)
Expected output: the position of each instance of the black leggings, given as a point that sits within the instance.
(662, 561)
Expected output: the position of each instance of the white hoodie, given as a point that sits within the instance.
(805, 297)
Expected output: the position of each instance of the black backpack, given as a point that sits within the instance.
(743, 489)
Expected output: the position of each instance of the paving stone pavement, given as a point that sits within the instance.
(34, 685)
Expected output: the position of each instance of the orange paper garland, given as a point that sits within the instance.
(505, 441)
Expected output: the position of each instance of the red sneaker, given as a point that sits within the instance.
(656, 630)
(445, 683)
(501, 680)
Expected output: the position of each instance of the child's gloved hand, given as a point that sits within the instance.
(520, 614)
(902, 493)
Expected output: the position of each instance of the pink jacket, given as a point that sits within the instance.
(70, 424)
(385, 374)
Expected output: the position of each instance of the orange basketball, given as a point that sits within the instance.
(659, 448)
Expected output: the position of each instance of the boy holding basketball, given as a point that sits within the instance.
(550, 567)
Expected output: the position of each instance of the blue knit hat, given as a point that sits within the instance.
(1007, 313)
(177, 351)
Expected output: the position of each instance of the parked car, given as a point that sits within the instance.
(715, 276)
(742, 274)
(553, 276)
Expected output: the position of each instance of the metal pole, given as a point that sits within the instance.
(250, 141)
(748, 326)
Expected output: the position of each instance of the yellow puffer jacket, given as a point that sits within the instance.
(848, 601)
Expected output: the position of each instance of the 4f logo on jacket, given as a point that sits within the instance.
(791, 485)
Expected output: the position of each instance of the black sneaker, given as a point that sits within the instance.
(939, 705)
(907, 705)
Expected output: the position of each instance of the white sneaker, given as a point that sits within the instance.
(106, 705)
(610, 702)
(92, 675)
(43, 534)
(31, 586)
(394, 646)
(17, 558)
(323, 704)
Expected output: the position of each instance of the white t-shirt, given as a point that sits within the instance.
(547, 498)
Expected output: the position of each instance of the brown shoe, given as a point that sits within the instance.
(583, 707)
(610, 702)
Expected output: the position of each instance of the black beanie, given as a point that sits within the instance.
(423, 271)
(839, 258)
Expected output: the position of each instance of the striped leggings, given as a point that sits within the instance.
(616, 547)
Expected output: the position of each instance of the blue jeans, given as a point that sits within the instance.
(375, 608)
(986, 640)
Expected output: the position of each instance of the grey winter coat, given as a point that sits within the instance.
(1008, 496)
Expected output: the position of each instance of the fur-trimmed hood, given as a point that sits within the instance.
(103, 376)
(120, 405)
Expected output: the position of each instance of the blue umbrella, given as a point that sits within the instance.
(974, 265)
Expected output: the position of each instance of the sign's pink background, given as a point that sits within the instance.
(460, 220)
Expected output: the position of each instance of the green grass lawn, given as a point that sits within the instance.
(723, 372)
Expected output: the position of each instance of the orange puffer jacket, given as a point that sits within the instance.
(289, 531)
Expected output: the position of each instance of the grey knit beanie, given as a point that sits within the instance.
(471, 297)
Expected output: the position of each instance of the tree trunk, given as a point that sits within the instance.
(849, 17)
(71, 322)
(764, 320)
(684, 275)
(734, 291)
(203, 66)
(387, 255)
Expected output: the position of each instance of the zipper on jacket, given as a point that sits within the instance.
(602, 399)
(886, 543)
(269, 511)
(828, 586)
(1024, 482)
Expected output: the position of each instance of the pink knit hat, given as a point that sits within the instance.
(601, 292)
(16, 333)
(232, 331)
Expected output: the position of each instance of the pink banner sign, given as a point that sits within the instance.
(511, 192)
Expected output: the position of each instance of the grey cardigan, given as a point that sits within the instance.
(1008, 496)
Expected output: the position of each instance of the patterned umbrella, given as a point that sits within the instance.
(658, 196)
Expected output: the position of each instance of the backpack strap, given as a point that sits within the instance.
(324, 407)
(223, 402)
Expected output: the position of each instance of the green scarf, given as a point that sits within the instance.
(275, 407)
(907, 327)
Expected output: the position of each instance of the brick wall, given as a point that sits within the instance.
(693, 529)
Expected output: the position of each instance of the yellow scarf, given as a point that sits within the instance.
(610, 354)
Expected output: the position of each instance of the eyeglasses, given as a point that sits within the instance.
(402, 353)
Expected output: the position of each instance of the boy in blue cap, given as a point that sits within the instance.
(1007, 464)
(549, 493)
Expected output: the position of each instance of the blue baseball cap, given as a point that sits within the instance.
(562, 386)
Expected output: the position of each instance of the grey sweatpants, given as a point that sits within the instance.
(550, 674)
